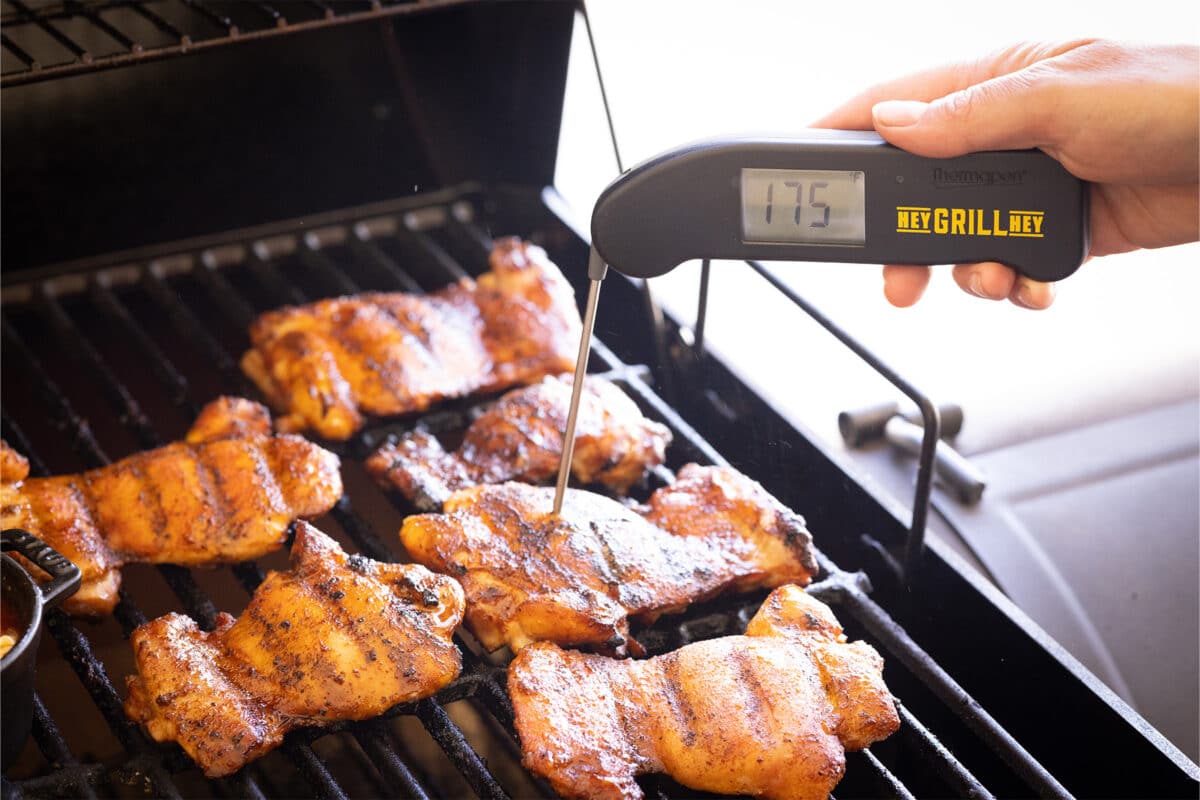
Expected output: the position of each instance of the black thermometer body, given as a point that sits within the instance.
(844, 196)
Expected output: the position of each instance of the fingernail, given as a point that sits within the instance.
(898, 113)
(975, 284)
(1025, 296)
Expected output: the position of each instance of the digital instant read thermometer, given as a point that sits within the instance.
(841, 196)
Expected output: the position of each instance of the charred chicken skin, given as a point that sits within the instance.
(519, 438)
(334, 638)
(326, 365)
(768, 714)
(226, 494)
(577, 578)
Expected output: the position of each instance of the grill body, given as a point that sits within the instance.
(179, 198)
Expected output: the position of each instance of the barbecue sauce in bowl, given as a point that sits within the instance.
(10, 626)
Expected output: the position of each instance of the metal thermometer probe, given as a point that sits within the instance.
(842, 196)
(597, 269)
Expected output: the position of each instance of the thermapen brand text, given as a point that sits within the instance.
(976, 177)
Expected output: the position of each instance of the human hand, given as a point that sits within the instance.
(1126, 118)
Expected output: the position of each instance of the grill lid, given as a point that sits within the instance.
(129, 149)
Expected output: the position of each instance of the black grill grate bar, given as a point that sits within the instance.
(117, 36)
(272, 14)
(454, 744)
(373, 739)
(364, 764)
(58, 36)
(444, 261)
(249, 574)
(313, 770)
(91, 672)
(82, 438)
(243, 786)
(941, 759)
(165, 371)
(184, 321)
(261, 269)
(220, 21)
(62, 783)
(179, 579)
(888, 782)
(361, 531)
(320, 264)
(850, 595)
(224, 295)
(115, 392)
(371, 253)
(15, 436)
(12, 47)
(52, 744)
(226, 31)
(160, 23)
(462, 221)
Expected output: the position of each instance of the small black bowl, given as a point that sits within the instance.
(27, 598)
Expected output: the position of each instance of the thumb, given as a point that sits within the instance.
(1004, 113)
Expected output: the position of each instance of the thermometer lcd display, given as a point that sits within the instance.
(806, 206)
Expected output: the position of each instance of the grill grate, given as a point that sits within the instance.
(47, 40)
(173, 327)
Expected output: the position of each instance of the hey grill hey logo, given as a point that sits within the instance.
(939, 221)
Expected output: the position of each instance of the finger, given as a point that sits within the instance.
(903, 285)
(1008, 113)
(986, 279)
(931, 84)
(1032, 294)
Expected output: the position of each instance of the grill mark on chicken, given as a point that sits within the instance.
(577, 577)
(272, 492)
(304, 653)
(214, 500)
(750, 692)
(614, 573)
(326, 364)
(736, 715)
(519, 437)
(217, 498)
(148, 484)
(677, 701)
(79, 487)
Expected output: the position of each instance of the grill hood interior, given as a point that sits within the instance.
(276, 128)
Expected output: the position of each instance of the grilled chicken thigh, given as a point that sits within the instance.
(520, 438)
(576, 578)
(227, 494)
(327, 364)
(335, 638)
(768, 714)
